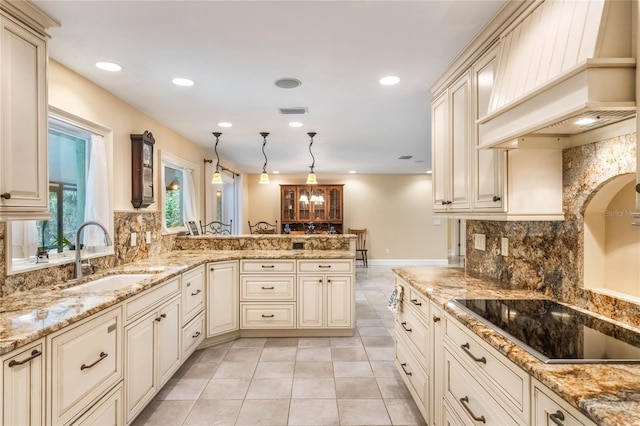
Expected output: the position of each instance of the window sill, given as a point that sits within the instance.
(19, 266)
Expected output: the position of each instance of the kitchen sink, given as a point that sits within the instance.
(110, 283)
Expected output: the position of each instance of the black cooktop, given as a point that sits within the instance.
(555, 333)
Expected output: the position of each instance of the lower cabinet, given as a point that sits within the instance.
(109, 411)
(85, 361)
(153, 354)
(23, 385)
(550, 409)
(222, 298)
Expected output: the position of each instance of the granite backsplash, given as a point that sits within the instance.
(124, 223)
(549, 256)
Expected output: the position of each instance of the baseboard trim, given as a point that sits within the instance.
(406, 262)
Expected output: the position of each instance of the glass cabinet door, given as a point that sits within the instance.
(304, 204)
(318, 203)
(288, 204)
(334, 203)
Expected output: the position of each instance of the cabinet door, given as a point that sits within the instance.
(318, 204)
(192, 293)
(222, 298)
(310, 301)
(140, 378)
(441, 151)
(288, 203)
(168, 338)
(23, 135)
(106, 412)
(460, 173)
(23, 386)
(338, 305)
(436, 362)
(489, 163)
(334, 200)
(549, 409)
(304, 204)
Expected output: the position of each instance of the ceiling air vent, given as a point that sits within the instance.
(405, 157)
(293, 110)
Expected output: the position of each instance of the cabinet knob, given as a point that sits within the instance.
(496, 198)
(6, 195)
(436, 319)
(638, 187)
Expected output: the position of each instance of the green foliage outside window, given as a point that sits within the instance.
(173, 208)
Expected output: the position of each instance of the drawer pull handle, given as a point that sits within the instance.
(324, 266)
(103, 355)
(197, 292)
(196, 335)
(464, 402)
(408, 373)
(267, 288)
(267, 316)
(466, 347)
(268, 266)
(34, 354)
(160, 317)
(404, 325)
(415, 302)
(436, 319)
(557, 418)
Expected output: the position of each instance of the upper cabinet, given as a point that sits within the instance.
(23, 122)
(301, 205)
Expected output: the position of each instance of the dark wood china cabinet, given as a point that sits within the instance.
(311, 208)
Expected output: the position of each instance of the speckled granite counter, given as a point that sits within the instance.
(608, 394)
(27, 316)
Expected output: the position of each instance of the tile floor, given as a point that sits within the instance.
(296, 381)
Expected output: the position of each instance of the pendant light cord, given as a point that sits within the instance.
(313, 163)
(264, 136)
(215, 148)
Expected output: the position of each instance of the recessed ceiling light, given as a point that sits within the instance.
(288, 83)
(185, 82)
(295, 124)
(389, 80)
(224, 124)
(353, 172)
(585, 121)
(108, 66)
(276, 172)
(429, 172)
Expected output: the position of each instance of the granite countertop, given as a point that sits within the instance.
(28, 316)
(609, 394)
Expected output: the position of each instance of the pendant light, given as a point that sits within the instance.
(175, 184)
(311, 179)
(217, 177)
(264, 176)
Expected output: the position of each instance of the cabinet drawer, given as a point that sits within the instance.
(547, 406)
(192, 336)
(254, 315)
(417, 300)
(150, 298)
(85, 361)
(109, 411)
(509, 382)
(192, 293)
(470, 399)
(414, 329)
(267, 266)
(267, 288)
(326, 266)
(413, 374)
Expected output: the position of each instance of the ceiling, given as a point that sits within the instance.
(236, 50)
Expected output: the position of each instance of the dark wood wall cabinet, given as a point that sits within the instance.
(142, 193)
(311, 208)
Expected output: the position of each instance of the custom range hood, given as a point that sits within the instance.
(565, 67)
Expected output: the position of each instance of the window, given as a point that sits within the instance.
(174, 198)
(179, 193)
(79, 190)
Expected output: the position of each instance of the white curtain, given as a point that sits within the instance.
(237, 207)
(189, 208)
(97, 193)
(24, 238)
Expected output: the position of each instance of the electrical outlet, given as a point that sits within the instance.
(504, 248)
(134, 239)
(148, 237)
(480, 242)
(437, 222)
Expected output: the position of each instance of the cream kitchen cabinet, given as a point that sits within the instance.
(152, 344)
(451, 137)
(24, 185)
(84, 362)
(23, 385)
(109, 411)
(222, 298)
(436, 334)
(325, 294)
(193, 283)
(548, 409)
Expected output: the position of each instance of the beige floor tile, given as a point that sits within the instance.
(349, 353)
(392, 387)
(404, 412)
(377, 341)
(384, 369)
(281, 342)
(264, 412)
(214, 412)
(226, 389)
(313, 412)
(270, 388)
(352, 369)
(357, 387)
(314, 354)
(160, 413)
(266, 370)
(380, 354)
(346, 341)
(313, 388)
(242, 354)
(363, 412)
(279, 354)
(212, 354)
(313, 342)
(373, 331)
(235, 370)
(182, 389)
(196, 370)
(369, 323)
(249, 342)
(314, 369)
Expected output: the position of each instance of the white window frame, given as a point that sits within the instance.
(175, 162)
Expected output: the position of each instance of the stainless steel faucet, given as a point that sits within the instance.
(78, 262)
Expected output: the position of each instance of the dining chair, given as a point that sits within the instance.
(216, 227)
(263, 227)
(361, 244)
